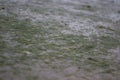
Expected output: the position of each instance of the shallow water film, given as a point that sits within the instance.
(59, 39)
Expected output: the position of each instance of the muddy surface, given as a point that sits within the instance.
(59, 39)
